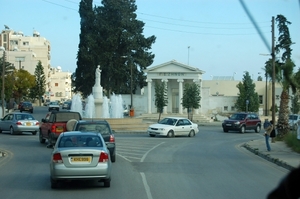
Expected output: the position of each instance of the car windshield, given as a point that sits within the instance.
(80, 141)
(293, 117)
(168, 121)
(53, 103)
(238, 117)
(90, 127)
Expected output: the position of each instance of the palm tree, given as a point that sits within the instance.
(288, 82)
(284, 73)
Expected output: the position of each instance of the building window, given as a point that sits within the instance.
(225, 108)
(232, 108)
(26, 43)
(277, 97)
(56, 84)
(260, 99)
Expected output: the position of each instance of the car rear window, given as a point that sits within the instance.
(64, 117)
(88, 127)
(80, 141)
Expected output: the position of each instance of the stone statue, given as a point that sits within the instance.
(98, 76)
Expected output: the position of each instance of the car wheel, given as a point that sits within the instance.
(51, 140)
(257, 129)
(151, 135)
(11, 130)
(225, 130)
(243, 129)
(113, 158)
(192, 133)
(170, 134)
(107, 183)
(54, 184)
(42, 140)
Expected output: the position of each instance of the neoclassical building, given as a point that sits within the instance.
(218, 95)
(174, 74)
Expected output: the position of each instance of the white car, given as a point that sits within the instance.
(293, 121)
(173, 126)
(53, 106)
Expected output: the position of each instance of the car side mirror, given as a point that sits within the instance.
(44, 120)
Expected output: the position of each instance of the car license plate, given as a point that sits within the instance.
(59, 129)
(81, 159)
(28, 123)
(228, 124)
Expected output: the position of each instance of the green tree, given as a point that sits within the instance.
(284, 73)
(247, 98)
(39, 89)
(191, 98)
(24, 81)
(114, 39)
(9, 71)
(84, 77)
(161, 97)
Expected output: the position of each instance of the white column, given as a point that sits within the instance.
(166, 85)
(180, 94)
(149, 94)
(197, 83)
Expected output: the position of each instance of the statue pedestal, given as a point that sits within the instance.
(98, 100)
(97, 92)
(98, 108)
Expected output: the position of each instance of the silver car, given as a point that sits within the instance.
(80, 156)
(173, 126)
(16, 123)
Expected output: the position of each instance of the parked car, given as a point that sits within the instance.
(80, 156)
(99, 126)
(46, 102)
(173, 126)
(293, 121)
(26, 106)
(242, 122)
(16, 123)
(67, 105)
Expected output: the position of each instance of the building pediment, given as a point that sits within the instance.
(173, 66)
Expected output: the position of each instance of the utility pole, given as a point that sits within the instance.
(3, 87)
(273, 72)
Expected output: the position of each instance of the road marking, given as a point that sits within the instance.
(144, 156)
(147, 188)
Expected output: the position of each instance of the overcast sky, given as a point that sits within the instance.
(215, 36)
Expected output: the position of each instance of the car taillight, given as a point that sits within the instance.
(19, 123)
(37, 123)
(111, 138)
(56, 158)
(103, 157)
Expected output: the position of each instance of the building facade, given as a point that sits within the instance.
(24, 52)
(60, 85)
(218, 95)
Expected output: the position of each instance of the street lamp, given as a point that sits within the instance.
(3, 81)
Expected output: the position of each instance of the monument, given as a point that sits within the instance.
(98, 93)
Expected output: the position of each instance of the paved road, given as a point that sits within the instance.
(210, 165)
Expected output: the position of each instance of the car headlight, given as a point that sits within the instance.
(237, 123)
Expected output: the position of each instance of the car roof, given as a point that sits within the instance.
(92, 121)
(19, 113)
(70, 133)
(177, 118)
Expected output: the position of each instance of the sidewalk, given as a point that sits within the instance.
(280, 153)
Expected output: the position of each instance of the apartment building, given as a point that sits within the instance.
(24, 52)
(60, 85)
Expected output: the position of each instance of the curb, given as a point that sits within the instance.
(268, 157)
